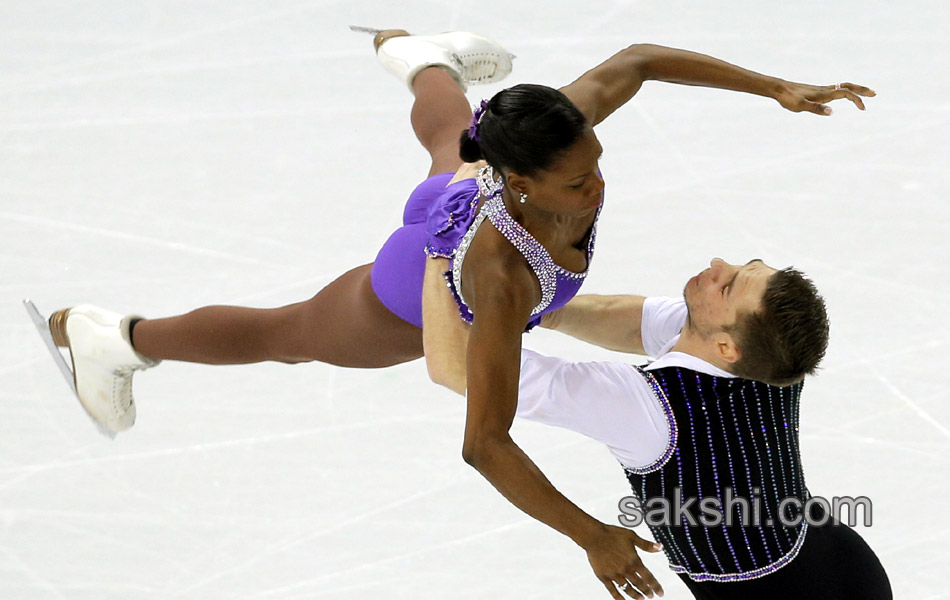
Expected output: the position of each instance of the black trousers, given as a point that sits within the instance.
(834, 563)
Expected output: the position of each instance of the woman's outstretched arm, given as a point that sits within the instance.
(609, 85)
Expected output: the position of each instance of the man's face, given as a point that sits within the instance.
(719, 294)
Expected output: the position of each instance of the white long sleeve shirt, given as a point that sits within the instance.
(611, 402)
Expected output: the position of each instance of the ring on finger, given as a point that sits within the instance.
(837, 86)
(625, 585)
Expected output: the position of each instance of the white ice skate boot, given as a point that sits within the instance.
(469, 58)
(103, 362)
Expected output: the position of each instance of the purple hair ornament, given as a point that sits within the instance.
(476, 121)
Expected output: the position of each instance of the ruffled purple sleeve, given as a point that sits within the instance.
(449, 218)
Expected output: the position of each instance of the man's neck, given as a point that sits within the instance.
(693, 344)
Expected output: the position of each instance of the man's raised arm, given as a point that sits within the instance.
(611, 322)
(444, 335)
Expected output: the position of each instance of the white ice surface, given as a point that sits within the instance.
(158, 156)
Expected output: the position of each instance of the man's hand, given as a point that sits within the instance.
(613, 556)
(801, 97)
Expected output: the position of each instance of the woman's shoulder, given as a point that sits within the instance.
(491, 256)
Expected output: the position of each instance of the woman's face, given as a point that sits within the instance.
(570, 186)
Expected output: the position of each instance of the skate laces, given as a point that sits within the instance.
(122, 389)
(478, 66)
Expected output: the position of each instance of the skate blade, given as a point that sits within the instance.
(42, 326)
(361, 29)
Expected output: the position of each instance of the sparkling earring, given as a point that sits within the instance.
(523, 197)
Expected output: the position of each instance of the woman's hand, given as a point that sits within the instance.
(613, 556)
(801, 97)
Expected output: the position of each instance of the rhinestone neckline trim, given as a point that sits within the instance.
(538, 257)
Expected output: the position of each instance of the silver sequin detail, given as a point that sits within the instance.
(536, 255)
(487, 185)
(746, 575)
(544, 267)
(462, 250)
(672, 432)
(539, 259)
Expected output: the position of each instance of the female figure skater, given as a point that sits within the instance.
(528, 164)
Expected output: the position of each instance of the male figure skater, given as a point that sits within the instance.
(715, 414)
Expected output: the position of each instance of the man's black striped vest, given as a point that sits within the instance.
(725, 433)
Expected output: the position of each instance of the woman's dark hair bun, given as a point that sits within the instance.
(524, 129)
(469, 150)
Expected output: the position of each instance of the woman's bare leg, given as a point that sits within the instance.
(345, 324)
(439, 114)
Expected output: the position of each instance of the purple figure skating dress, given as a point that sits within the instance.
(441, 220)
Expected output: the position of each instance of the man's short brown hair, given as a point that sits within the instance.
(786, 338)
